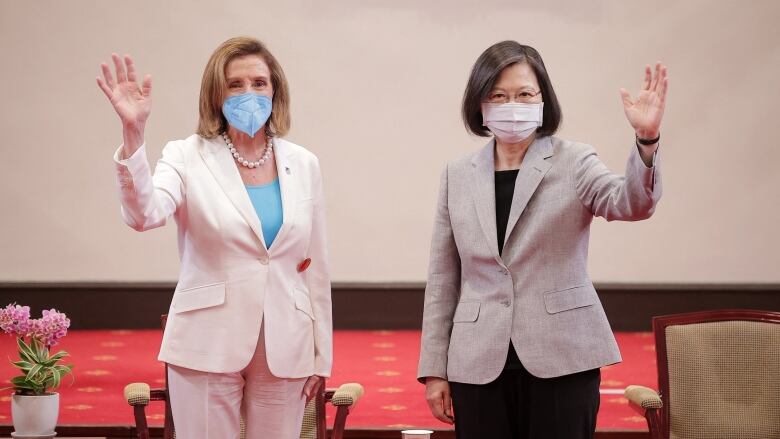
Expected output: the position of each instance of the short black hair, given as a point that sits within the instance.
(483, 77)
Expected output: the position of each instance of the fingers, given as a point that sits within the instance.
(109, 78)
(438, 412)
(648, 76)
(310, 387)
(130, 68)
(656, 76)
(447, 401)
(103, 86)
(308, 391)
(146, 87)
(440, 404)
(663, 88)
(627, 102)
(121, 76)
(660, 82)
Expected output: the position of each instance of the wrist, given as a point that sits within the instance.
(133, 129)
(647, 133)
(647, 139)
(133, 139)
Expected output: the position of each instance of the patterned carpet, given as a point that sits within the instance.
(385, 362)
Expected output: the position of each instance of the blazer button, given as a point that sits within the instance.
(264, 260)
(506, 303)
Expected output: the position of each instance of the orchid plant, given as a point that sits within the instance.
(34, 337)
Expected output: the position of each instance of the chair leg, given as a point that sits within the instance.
(653, 417)
(339, 422)
(322, 426)
(140, 422)
(169, 428)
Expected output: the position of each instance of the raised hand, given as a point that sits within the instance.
(132, 102)
(645, 113)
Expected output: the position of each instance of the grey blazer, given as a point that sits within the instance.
(537, 293)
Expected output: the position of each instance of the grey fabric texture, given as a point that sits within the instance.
(537, 293)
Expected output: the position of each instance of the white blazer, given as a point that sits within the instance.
(229, 284)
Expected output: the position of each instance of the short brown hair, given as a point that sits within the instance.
(484, 75)
(212, 88)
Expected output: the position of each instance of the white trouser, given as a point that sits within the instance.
(207, 405)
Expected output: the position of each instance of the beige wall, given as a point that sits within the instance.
(376, 87)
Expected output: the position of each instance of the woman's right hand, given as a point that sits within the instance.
(437, 393)
(132, 102)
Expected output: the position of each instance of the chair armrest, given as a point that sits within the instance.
(647, 403)
(137, 394)
(643, 397)
(347, 395)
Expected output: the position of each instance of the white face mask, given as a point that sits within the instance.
(512, 123)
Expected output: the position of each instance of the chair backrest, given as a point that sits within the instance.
(719, 374)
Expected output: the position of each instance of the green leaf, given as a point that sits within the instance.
(22, 345)
(59, 355)
(22, 383)
(25, 386)
(56, 377)
(34, 372)
(19, 381)
(27, 357)
(23, 365)
(40, 350)
(55, 358)
(39, 380)
(25, 352)
(63, 368)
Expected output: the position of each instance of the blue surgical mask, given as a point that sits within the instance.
(247, 112)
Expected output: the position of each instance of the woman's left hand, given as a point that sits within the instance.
(310, 388)
(645, 113)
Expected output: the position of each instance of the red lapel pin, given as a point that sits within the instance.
(304, 265)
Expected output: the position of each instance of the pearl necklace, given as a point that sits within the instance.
(269, 148)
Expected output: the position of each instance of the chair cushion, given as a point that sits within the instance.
(724, 380)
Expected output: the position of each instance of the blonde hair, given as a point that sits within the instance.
(213, 87)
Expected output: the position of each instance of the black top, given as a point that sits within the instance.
(505, 190)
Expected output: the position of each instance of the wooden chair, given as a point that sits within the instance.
(718, 376)
(138, 395)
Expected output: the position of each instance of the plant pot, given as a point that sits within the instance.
(35, 415)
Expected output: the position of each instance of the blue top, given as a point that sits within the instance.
(267, 200)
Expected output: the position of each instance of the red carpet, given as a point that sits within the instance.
(385, 362)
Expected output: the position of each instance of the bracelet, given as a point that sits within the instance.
(646, 142)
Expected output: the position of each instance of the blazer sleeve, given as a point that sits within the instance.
(441, 292)
(319, 282)
(632, 197)
(147, 201)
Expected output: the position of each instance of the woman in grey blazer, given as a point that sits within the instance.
(513, 331)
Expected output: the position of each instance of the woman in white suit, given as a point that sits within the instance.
(249, 330)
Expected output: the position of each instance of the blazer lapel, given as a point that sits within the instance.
(485, 196)
(532, 171)
(221, 165)
(288, 181)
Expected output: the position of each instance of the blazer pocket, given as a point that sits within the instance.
(204, 296)
(302, 303)
(466, 312)
(570, 298)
